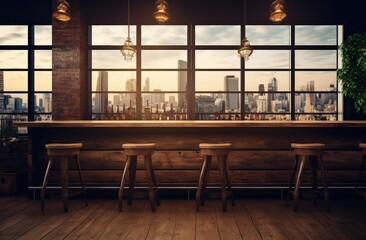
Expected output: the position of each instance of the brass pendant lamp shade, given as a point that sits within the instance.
(161, 15)
(277, 11)
(62, 12)
(128, 50)
(245, 49)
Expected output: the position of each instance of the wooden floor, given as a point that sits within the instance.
(21, 218)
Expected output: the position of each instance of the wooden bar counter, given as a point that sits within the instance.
(261, 153)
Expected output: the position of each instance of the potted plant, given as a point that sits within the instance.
(352, 75)
(8, 135)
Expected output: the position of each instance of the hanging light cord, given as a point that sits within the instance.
(128, 17)
(245, 16)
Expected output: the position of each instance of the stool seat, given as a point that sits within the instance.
(221, 152)
(313, 152)
(131, 151)
(62, 151)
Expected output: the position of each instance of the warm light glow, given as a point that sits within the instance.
(128, 50)
(277, 11)
(245, 50)
(62, 12)
(161, 15)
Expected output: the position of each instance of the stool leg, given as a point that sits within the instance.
(314, 174)
(200, 184)
(45, 180)
(205, 180)
(298, 181)
(120, 192)
(360, 173)
(81, 178)
(64, 181)
(292, 178)
(222, 171)
(156, 190)
(149, 171)
(132, 178)
(325, 186)
(228, 180)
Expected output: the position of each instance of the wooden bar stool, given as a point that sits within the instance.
(363, 146)
(132, 150)
(221, 151)
(314, 153)
(62, 152)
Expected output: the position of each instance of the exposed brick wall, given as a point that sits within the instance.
(69, 63)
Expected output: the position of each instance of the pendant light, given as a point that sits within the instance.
(62, 11)
(245, 50)
(277, 11)
(161, 15)
(128, 50)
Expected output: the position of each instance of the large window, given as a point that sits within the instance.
(25, 72)
(194, 72)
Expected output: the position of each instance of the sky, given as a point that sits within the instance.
(276, 35)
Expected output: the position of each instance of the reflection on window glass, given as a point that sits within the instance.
(43, 59)
(15, 81)
(43, 81)
(218, 35)
(112, 59)
(267, 103)
(217, 59)
(316, 35)
(163, 58)
(13, 59)
(113, 81)
(112, 35)
(14, 35)
(316, 81)
(161, 80)
(261, 59)
(15, 103)
(320, 59)
(267, 81)
(164, 35)
(216, 80)
(43, 35)
(269, 35)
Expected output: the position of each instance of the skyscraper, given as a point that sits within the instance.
(2, 103)
(311, 87)
(101, 99)
(182, 83)
(272, 88)
(231, 84)
(131, 87)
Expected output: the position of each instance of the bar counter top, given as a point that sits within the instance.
(190, 124)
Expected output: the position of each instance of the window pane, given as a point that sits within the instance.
(13, 59)
(316, 59)
(164, 35)
(267, 81)
(15, 81)
(266, 116)
(316, 117)
(157, 100)
(111, 59)
(260, 59)
(217, 103)
(218, 35)
(13, 35)
(103, 103)
(315, 102)
(42, 117)
(43, 81)
(43, 35)
(316, 35)
(15, 103)
(112, 35)
(163, 58)
(43, 103)
(113, 81)
(160, 80)
(215, 81)
(43, 59)
(268, 35)
(316, 81)
(217, 59)
(267, 103)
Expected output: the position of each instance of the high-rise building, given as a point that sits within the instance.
(310, 86)
(146, 88)
(47, 102)
(261, 89)
(130, 87)
(231, 84)
(2, 103)
(272, 88)
(101, 99)
(182, 83)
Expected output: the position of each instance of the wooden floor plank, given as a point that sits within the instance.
(244, 222)
(14, 206)
(207, 227)
(185, 220)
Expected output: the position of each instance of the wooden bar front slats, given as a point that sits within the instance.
(261, 154)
